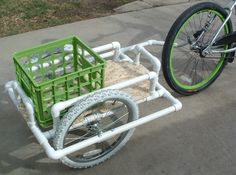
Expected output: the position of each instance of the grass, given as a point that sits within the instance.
(17, 16)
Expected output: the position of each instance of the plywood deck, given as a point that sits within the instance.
(118, 72)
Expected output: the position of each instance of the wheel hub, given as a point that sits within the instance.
(199, 49)
(96, 127)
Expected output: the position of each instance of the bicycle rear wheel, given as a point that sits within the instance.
(185, 68)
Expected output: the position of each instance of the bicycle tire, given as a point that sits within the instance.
(167, 55)
(93, 157)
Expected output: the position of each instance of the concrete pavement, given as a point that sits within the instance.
(145, 4)
(198, 140)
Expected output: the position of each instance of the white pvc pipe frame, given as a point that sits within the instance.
(114, 50)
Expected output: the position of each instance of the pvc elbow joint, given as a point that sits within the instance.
(116, 45)
(178, 105)
(52, 154)
(55, 111)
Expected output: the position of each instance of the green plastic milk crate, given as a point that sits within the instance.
(58, 71)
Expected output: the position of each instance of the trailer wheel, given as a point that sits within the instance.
(90, 117)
